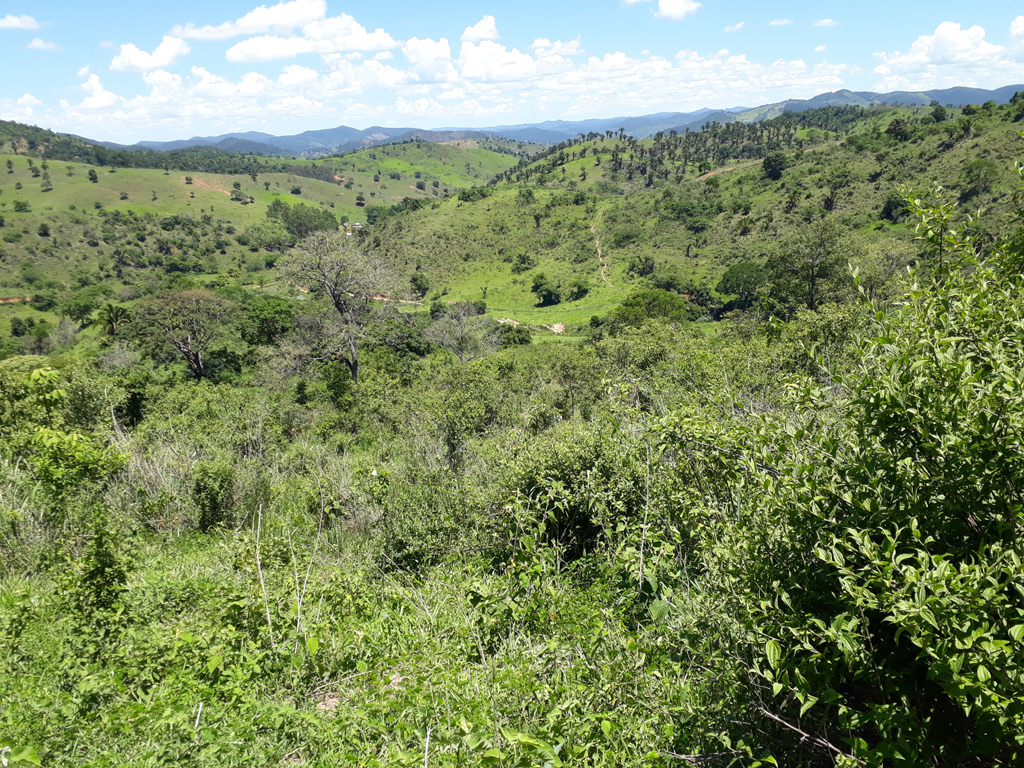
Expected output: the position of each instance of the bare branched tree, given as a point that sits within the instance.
(344, 280)
(464, 332)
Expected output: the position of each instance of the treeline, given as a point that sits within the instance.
(61, 147)
(674, 154)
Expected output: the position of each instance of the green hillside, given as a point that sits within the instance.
(684, 208)
(194, 222)
(603, 458)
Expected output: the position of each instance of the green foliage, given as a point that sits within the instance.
(301, 220)
(91, 586)
(66, 463)
(30, 396)
(473, 194)
(266, 320)
(338, 380)
(811, 266)
(774, 164)
(420, 284)
(743, 280)
(213, 493)
(510, 335)
(644, 305)
(547, 291)
(882, 589)
(978, 177)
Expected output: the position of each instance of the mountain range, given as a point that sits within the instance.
(345, 139)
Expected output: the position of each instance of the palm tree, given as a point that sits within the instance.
(745, 225)
(111, 317)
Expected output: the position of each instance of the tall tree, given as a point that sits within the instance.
(346, 278)
(811, 265)
(190, 322)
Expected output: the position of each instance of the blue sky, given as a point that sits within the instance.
(125, 71)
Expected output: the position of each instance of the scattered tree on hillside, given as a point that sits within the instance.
(978, 177)
(420, 284)
(774, 164)
(112, 318)
(548, 292)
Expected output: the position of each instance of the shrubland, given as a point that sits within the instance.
(242, 527)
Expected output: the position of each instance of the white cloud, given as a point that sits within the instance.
(268, 48)
(84, 71)
(821, 49)
(280, 18)
(99, 98)
(1017, 27)
(18, 22)
(22, 109)
(338, 34)
(431, 60)
(826, 23)
(952, 56)
(133, 59)
(455, 94)
(676, 9)
(485, 29)
(343, 33)
(428, 80)
(735, 27)
(780, 22)
(494, 63)
(38, 44)
(296, 75)
(107, 44)
(545, 47)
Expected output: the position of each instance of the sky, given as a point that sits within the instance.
(128, 71)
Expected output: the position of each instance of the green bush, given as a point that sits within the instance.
(213, 493)
(876, 553)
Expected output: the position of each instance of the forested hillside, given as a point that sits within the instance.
(697, 450)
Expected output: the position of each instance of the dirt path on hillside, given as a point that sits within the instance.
(207, 185)
(597, 244)
(14, 300)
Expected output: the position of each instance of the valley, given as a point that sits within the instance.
(699, 445)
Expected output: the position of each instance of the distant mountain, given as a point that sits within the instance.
(345, 139)
(248, 147)
(553, 131)
(958, 97)
(321, 142)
